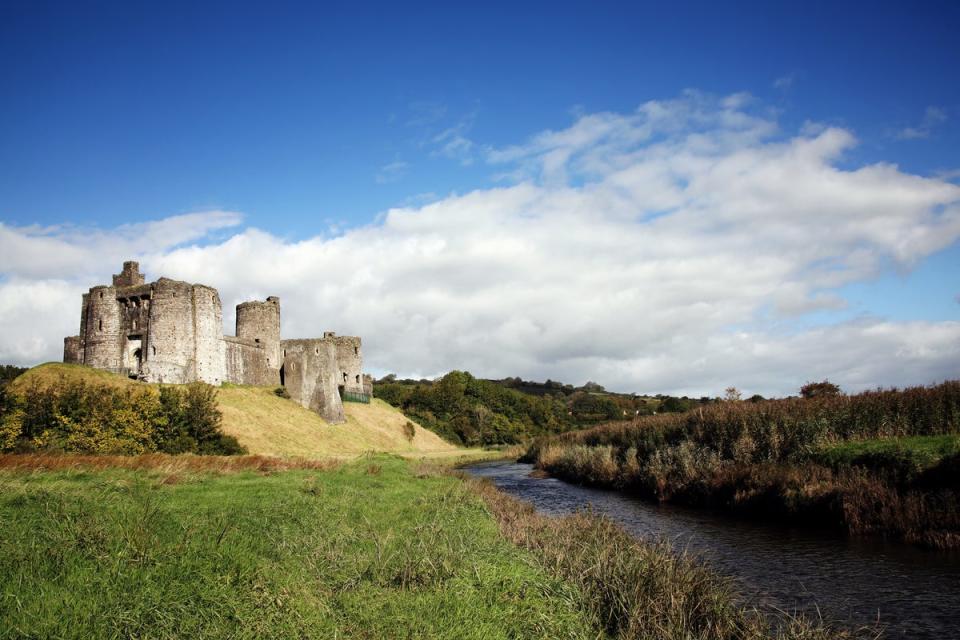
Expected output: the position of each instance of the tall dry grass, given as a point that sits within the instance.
(780, 429)
(759, 458)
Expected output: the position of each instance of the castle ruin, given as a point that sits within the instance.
(172, 332)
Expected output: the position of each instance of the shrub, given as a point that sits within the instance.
(282, 392)
(819, 389)
(78, 417)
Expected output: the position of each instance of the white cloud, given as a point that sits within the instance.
(453, 143)
(391, 172)
(659, 250)
(785, 83)
(933, 117)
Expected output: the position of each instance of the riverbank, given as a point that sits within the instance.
(378, 547)
(879, 463)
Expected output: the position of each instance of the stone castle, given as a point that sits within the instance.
(171, 331)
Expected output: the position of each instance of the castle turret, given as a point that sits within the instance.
(130, 275)
(260, 321)
(102, 348)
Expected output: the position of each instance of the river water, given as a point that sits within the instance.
(913, 592)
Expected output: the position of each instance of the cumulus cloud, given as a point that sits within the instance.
(665, 249)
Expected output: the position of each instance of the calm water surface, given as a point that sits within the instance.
(915, 593)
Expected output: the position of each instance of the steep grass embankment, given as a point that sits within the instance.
(269, 425)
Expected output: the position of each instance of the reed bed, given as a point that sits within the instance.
(876, 463)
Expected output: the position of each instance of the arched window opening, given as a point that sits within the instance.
(99, 324)
(358, 378)
(153, 351)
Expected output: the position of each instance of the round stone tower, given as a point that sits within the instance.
(102, 345)
(261, 321)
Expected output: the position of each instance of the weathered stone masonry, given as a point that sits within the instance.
(171, 331)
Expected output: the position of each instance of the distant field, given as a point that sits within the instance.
(369, 549)
(269, 425)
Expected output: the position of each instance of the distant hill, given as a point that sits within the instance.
(473, 411)
(270, 425)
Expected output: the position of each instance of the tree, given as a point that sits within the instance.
(822, 389)
(731, 394)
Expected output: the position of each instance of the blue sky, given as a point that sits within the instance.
(313, 120)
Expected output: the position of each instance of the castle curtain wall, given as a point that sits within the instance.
(246, 363)
(349, 363)
(309, 374)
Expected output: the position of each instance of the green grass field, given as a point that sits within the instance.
(370, 549)
(914, 453)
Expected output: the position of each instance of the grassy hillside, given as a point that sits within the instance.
(53, 372)
(269, 425)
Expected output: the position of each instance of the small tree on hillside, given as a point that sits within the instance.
(731, 394)
(819, 389)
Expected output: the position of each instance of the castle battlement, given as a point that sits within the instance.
(169, 331)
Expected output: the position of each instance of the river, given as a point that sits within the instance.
(913, 592)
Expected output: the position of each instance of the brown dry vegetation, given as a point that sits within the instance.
(768, 459)
(160, 462)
